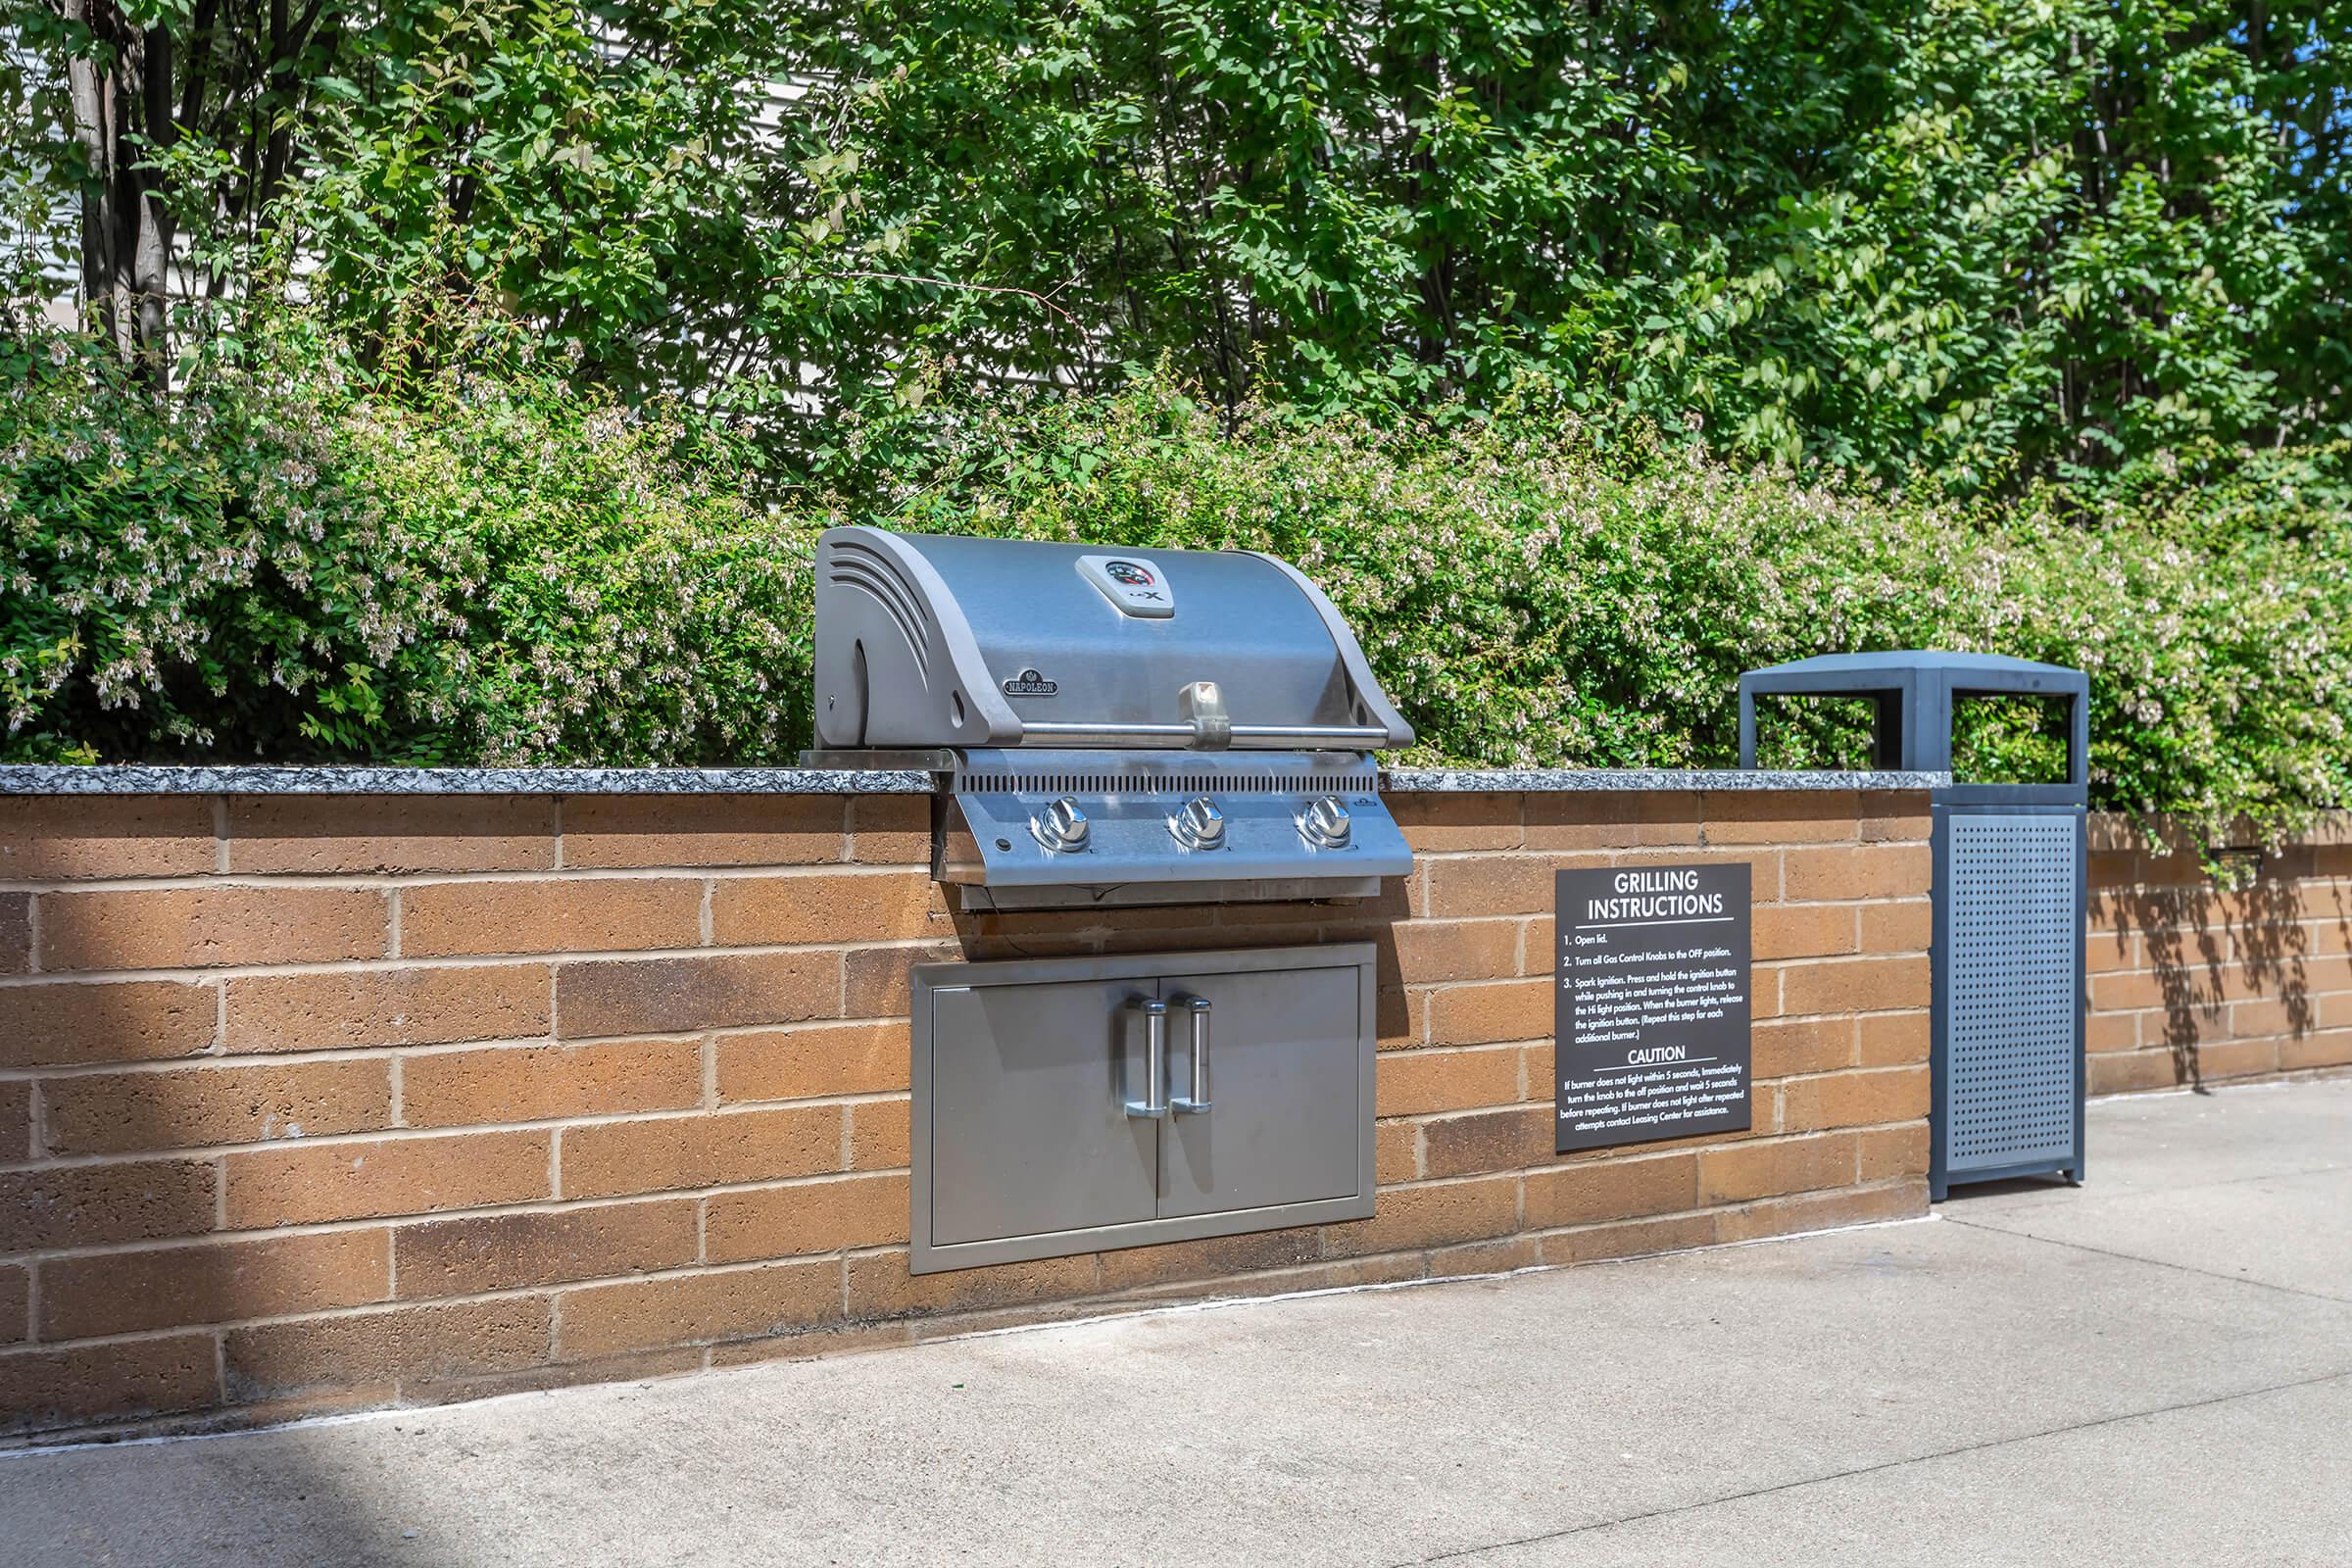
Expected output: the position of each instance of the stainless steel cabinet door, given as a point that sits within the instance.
(1036, 1079)
(1285, 1057)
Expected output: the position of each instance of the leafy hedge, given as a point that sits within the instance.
(285, 564)
(1529, 600)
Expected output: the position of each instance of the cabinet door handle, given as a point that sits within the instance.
(1197, 1009)
(1154, 1102)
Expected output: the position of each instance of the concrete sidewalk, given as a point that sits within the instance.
(2157, 1367)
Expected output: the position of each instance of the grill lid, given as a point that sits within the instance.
(934, 640)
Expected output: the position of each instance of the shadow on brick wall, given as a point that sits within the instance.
(2232, 967)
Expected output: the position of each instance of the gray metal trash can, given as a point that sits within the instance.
(2008, 1074)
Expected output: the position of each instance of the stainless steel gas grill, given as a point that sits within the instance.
(1115, 727)
(1112, 727)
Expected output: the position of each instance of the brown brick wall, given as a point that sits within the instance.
(315, 1104)
(2198, 976)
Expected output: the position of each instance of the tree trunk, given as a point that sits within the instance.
(151, 250)
(92, 93)
(127, 230)
(278, 153)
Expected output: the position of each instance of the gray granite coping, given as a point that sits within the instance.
(36, 779)
(1560, 780)
(26, 779)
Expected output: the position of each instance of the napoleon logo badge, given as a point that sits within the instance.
(1029, 683)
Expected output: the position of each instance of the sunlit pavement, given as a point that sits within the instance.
(2157, 1367)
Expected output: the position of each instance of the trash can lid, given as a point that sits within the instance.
(1902, 666)
(1915, 689)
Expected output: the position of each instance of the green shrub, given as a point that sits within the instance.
(1530, 600)
(496, 567)
(282, 563)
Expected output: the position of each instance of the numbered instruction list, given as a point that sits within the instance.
(1652, 1015)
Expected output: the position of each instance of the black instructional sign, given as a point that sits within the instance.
(1650, 1022)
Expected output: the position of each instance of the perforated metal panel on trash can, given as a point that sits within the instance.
(2006, 1056)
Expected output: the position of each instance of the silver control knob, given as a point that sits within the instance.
(1198, 825)
(1060, 827)
(1325, 824)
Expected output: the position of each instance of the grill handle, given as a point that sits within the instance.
(1196, 1009)
(1247, 737)
(1155, 1103)
(1203, 707)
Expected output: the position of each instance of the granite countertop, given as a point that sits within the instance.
(1556, 780)
(141, 781)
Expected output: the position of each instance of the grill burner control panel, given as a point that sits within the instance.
(1163, 827)
(1063, 827)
